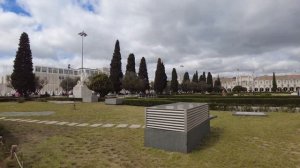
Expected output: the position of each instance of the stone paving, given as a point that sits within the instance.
(64, 123)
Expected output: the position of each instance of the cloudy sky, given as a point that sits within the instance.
(259, 36)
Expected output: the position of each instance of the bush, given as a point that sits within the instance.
(146, 102)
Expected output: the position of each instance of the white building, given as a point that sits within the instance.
(285, 83)
(53, 76)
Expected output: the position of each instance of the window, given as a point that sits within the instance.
(65, 71)
(37, 69)
(75, 72)
(44, 69)
(50, 70)
(61, 71)
(71, 72)
(54, 70)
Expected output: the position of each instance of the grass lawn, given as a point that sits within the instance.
(272, 141)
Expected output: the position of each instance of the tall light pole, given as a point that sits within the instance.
(82, 34)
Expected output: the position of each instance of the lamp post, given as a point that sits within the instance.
(69, 66)
(82, 34)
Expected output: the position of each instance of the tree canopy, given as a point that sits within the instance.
(116, 74)
(160, 80)
(22, 78)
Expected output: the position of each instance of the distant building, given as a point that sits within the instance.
(53, 76)
(285, 83)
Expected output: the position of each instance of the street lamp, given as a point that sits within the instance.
(82, 34)
(69, 66)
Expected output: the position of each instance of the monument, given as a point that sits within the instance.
(81, 90)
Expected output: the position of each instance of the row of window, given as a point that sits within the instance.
(266, 82)
(64, 71)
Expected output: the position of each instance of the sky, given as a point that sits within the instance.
(222, 37)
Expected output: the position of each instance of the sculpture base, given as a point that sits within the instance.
(82, 91)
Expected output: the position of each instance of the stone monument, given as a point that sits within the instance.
(82, 91)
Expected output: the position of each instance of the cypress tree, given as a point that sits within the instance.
(195, 77)
(204, 77)
(160, 80)
(130, 63)
(274, 83)
(143, 74)
(174, 81)
(185, 86)
(217, 85)
(22, 78)
(116, 74)
(209, 82)
(186, 77)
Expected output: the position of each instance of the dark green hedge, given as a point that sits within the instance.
(278, 102)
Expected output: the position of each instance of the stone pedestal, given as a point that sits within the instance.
(82, 91)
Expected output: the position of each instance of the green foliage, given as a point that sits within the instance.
(68, 83)
(186, 77)
(146, 102)
(22, 78)
(174, 81)
(218, 85)
(239, 89)
(100, 83)
(160, 81)
(143, 75)
(116, 74)
(202, 78)
(195, 77)
(274, 83)
(131, 82)
(209, 82)
(130, 63)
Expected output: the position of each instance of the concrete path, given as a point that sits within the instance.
(72, 124)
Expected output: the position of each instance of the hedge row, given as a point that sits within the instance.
(226, 97)
(15, 99)
(283, 102)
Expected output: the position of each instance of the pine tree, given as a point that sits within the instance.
(195, 77)
(116, 74)
(130, 63)
(160, 81)
(174, 81)
(143, 75)
(217, 85)
(274, 83)
(186, 77)
(185, 85)
(22, 78)
(204, 77)
(209, 82)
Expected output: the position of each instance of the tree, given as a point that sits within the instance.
(68, 83)
(209, 82)
(274, 83)
(39, 84)
(22, 78)
(130, 63)
(218, 85)
(160, 80)
(195, 77)
(131, 81)
(116, 74)
(143, 75)
(185, 86)
(100, 83)
(239, 89)
(174, 81)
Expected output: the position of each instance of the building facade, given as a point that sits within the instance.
(53, 77)
(285, 83)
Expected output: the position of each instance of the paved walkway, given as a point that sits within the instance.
(73, 124)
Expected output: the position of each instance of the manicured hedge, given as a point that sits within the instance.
(219, 101)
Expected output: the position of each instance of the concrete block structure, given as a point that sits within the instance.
(176, 127)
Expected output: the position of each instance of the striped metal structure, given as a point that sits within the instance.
(180, 117)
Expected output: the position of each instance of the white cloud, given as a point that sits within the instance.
(203, 35)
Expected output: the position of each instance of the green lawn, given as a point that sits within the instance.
(271, 141)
